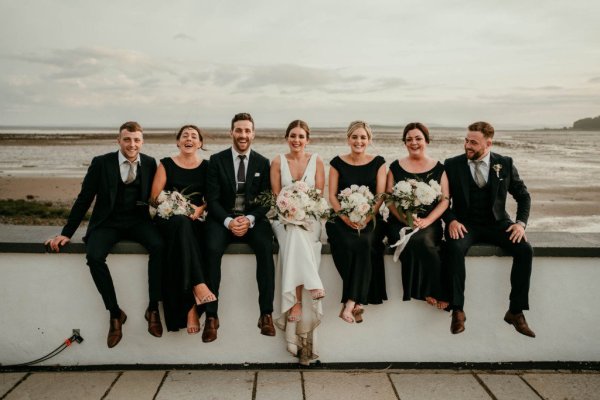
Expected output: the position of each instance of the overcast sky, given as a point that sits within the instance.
(515, 63)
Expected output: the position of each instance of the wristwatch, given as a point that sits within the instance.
(523, 224)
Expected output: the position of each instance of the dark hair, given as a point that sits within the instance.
(483, 127)
(416, 125)
(242, 117)
(131, 126)
(297, 123)
(194, 127)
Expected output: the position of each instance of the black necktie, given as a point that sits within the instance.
(241, 175)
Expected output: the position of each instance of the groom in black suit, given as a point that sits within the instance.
(120, 184)
(235, 177)
(479, 183)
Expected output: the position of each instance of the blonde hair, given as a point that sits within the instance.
(354, 125)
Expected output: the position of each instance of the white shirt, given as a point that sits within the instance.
(236, 167)
(124, 166)
(484, 167)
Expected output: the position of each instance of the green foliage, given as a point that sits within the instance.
(33, 212)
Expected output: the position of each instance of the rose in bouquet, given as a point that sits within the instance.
(412, 196)
(297, 204)
(357, 203)
(169, 203)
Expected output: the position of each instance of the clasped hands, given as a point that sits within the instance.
(458, 230)
(239, 225)
(355, 225)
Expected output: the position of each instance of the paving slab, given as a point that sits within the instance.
(207, 385)
(139, 385)
(64, 386)
(9, 380)
(508, 387)
(274, 385)
(438, 387)
(566, 385)
(348, 386)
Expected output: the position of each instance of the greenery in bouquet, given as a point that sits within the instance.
(411, 196)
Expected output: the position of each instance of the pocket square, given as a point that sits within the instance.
(257, 174)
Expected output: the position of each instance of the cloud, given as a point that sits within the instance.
(595, 79)
(183, 36)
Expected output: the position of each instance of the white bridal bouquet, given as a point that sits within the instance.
(299, 204)
(412, 195)
(169, 203)
(357, 203)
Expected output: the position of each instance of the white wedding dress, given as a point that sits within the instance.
(298, 263)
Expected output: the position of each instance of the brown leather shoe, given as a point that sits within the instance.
(519, 322)
(115, 331)
(210, 329)
(154, 325)
(265, 323)
(458, 322)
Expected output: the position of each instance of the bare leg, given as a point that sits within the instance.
(193, 325)
(295, 313)
(202, 294)
(346, 313)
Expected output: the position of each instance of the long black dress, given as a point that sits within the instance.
(358, 257)
(183, 267)
(421, 264)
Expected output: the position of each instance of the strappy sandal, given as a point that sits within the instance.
(297, 317)
(357, 312)
(317, 294)
(191, 328)
(345, 317)
(203, 299)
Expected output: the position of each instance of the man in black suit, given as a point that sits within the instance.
(235, 178)
(479, 182)
(120, 183)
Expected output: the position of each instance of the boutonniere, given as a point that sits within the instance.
(497, 168)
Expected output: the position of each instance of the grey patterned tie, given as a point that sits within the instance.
(479, 179)
(132, 171)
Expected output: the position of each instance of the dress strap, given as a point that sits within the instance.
(311, 167)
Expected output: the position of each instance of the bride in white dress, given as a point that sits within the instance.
(299, 249)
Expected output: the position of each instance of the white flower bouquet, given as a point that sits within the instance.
(412, 195)
(299, 204)
(357, 203)
(169, 203)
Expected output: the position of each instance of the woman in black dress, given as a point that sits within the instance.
(421, 267)
(183, 275)
(357, 249)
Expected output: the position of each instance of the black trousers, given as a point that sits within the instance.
(102, 239)
(260, 239)
(522, 253)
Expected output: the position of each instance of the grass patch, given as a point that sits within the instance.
(33, 212)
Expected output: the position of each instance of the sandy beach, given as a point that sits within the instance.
(560, 168)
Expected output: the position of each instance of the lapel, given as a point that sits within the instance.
(464, 176)
(252, 167)
(113, 176)
(493, 179)
(144, 171)
(229, 170)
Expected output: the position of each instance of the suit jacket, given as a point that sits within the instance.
(221, 185)
(505, 181)
(101, 183)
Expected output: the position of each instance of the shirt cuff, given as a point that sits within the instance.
(227, 221)
(252, 220)
(523, 224)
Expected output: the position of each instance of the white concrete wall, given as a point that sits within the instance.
(44, 296)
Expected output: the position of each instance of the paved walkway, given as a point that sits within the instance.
(299, 385)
